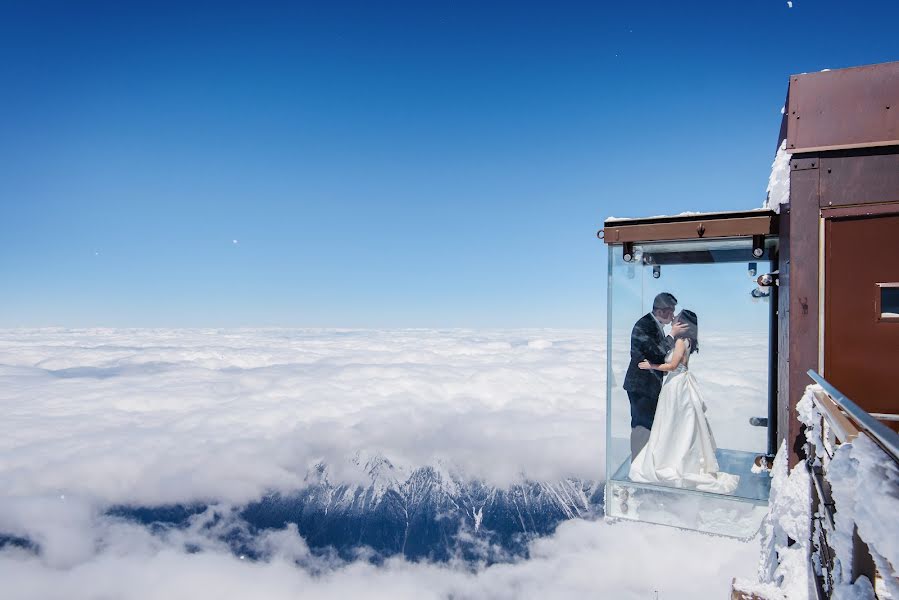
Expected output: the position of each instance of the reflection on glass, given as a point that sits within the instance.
(688, 362)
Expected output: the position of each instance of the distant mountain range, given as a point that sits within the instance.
(425, 514)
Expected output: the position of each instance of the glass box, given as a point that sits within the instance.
(717, 280)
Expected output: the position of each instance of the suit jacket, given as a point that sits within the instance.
(650, 343)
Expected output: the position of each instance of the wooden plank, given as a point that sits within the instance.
(844, 429)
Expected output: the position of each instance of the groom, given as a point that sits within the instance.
(648, 341)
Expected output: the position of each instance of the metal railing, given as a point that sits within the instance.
(885, 437)
(842, 422)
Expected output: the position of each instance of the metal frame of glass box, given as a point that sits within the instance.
(697, 240)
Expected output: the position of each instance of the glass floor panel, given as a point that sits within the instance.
(738, 514)
(754, 487)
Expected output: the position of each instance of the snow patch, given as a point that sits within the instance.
(750, 589)
(478, 516)
(810, 416)
(865, 486)
(688, 213)
(785, 531)
(779, 180)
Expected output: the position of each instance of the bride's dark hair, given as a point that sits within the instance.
(689, 318)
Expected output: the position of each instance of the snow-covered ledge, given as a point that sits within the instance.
(784, 567)
(864, 484)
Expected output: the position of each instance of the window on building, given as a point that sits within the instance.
(888, 301)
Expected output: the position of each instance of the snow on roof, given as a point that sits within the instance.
(685, 214)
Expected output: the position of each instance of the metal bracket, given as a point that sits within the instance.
(758, 246)
(768, 279)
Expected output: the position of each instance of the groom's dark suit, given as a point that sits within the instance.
(649, 342)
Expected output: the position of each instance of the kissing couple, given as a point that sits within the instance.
(671, 440)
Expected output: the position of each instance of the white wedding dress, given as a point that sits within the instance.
(681, 448)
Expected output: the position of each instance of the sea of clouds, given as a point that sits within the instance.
(99, 417)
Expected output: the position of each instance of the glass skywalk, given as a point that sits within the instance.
(716, 280)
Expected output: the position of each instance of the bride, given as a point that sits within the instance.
(681, 448)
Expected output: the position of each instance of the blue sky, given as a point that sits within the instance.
(380, 164)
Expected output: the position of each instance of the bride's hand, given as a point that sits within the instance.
(645, 365)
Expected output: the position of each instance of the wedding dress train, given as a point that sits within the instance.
(681, 448)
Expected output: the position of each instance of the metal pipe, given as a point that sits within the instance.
(885, 416)
(883, 435)
(772, 365)
(825, 502)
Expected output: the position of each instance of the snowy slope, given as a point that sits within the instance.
(424, 512)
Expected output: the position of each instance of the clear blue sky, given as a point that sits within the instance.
(380, 164)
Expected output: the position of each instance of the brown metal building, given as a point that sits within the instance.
(835, 243)
(839, 252)
(824, 254)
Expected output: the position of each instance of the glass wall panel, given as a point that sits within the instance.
(712, 408)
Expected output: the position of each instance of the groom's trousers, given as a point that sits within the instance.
(639, 438)
(643, 411)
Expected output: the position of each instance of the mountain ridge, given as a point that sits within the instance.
(422, 513)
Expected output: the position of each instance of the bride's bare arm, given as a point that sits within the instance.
(679, 348)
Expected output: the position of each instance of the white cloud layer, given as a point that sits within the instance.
(95, 417)
(582, 559)
(168, 416)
